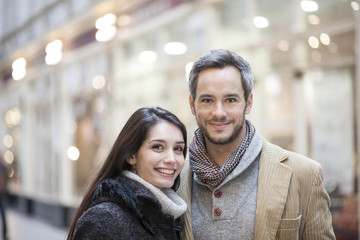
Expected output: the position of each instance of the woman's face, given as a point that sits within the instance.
(160, 157)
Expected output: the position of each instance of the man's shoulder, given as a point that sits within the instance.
(290, 158)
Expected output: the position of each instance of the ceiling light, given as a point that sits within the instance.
(73, 153)
(313, 42)
(175, 48)
(53, 52)
(148, 56)
(19, 68)
(309, 6)
(19, 74)
(355, 6)
(19, 63)
(54, 46)
(9, 157)
(8, 141)
(54, 58)
(13, 117)
(98, 82)
(106, 29)
(261, 22)
(105, 34)
(106, 20)
(325, 39)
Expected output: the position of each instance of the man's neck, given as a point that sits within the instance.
(221, 152)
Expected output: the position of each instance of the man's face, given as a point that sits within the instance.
(220, 105)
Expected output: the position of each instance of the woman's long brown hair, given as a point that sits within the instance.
(128, 142)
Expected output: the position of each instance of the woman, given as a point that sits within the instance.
(133, 195)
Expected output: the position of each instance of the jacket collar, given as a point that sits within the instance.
(169, 200)
(123, 191)
(184, 191)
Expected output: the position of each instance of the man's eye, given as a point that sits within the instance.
(231, 100)
(206, 100)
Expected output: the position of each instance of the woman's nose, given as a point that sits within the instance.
(170, 157)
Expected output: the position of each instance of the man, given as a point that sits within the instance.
(236, 184)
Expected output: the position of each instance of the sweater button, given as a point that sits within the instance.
(217, 193)
(217, 211)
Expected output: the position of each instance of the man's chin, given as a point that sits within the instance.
(219, 140)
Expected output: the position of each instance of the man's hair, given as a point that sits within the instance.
(220, 59)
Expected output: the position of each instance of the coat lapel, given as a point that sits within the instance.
(273, 185)
(185, 192)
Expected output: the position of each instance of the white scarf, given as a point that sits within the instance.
(170, 201)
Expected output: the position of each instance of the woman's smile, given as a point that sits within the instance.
(165, 171)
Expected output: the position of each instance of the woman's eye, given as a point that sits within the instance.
(157, 147)
(179, 149)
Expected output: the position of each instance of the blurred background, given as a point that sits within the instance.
(72, 72)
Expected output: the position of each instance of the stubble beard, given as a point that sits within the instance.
(225, 140)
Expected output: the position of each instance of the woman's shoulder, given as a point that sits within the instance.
(103, 219)
(101, 213)
(105, 207)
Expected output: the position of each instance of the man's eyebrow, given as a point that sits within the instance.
(232, 95)
(205, 96)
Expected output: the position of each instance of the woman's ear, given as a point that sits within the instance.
(131, 160)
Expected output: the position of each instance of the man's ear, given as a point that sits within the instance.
(191, 102)
(249, 104)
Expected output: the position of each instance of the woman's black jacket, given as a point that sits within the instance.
(125, 209)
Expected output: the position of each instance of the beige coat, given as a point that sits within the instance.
(291, 201)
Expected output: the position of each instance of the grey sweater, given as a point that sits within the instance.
(228, 211)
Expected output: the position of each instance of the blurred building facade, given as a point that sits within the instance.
(72, 72)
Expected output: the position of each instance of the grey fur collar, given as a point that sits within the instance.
(170, 201)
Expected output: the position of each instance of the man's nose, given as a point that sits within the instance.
(219, 110)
